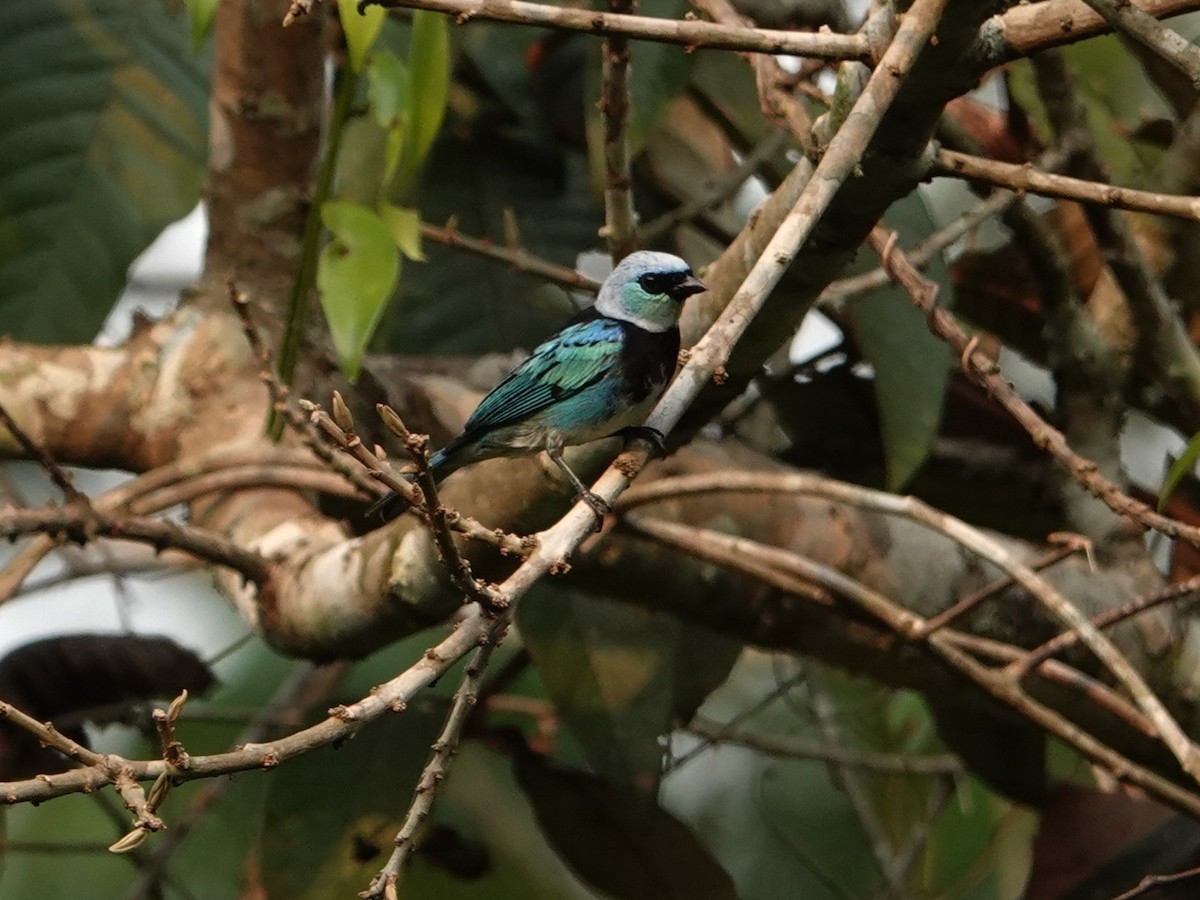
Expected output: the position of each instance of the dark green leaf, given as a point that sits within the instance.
(1118, 97)
(912, 367)
(103, 113)
(313, 847)
(356, 274)
(619, 841)
(621, 678)
(461, 303)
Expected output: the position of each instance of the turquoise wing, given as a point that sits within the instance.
(574, 359)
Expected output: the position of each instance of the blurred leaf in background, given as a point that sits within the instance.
(103, 138)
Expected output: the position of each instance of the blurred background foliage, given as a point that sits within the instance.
(604, 762)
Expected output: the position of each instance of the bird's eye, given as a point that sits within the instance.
(659, 282)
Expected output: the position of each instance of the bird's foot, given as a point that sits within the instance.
(597, 504)
(646, 433)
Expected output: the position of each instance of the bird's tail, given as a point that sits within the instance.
(441, 464)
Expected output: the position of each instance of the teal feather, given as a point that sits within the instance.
(576, 358)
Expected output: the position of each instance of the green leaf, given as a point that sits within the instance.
(360, 29)
(356, 274)
(1118, 97)
(462, 303)
(912, 367)
(311, 850)
(405, 226)
(200, 19)
(387, 88)
(429, 88)
(103, 119)
(1180, 467)
(621, 678)
(617, 841)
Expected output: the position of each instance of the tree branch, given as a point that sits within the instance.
(694, 35)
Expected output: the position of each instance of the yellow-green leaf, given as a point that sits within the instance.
(429, 86)
(360, 29)
(405, 225)
(356, 274)
(200, 19)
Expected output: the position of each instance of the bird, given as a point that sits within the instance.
(598, 377)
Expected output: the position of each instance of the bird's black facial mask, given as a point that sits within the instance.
(676, 285)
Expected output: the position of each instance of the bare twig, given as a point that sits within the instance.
(921, 254)
(620, 217)
(796, 748)
(36, 451)
(853, 786)
(955, 648)
(1134, 607)
(439, 518)
(384, 473)
(694, 35)
(908, 624)
(307, 685)
(1069, 547)
(1024, 178)
(1151, 883)
(383, 885)
(343, 721)
(514, 257)
(924, 293)
(982, 371)
(1164, 345)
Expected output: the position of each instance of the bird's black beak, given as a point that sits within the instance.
(687, 287)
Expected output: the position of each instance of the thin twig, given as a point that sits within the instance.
(1027, 28)
(923, 253)
(307, 685)
(515, 258)
(384, 473)
(1108, 619)
(383, 885)
(953, 647)
(1151, 882)
(796, 748)
(439, 518)
(1069, 547)
(620, 217)
(853, 786)
(981, 369)
(36, 451)
(342, 723)
(1025, 179)
(924, 294)
(780, 690)
(909, 624)
(83, 525)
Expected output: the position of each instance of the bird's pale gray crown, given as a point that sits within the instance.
(647, 288)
